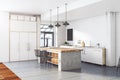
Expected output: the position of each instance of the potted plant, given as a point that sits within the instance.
(66, 43)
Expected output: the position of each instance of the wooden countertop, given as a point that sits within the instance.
(57, 49)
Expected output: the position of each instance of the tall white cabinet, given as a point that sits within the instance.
(22, 38)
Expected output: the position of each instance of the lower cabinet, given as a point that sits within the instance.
(94, 55)
(22, 45)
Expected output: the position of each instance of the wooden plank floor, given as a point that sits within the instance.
(7, 74)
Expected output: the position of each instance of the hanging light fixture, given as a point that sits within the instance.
(57, 25)
(66, 23)
(50, 26)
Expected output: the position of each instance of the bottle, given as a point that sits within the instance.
(83, 44)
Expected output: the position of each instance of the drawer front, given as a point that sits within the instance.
(93, 50)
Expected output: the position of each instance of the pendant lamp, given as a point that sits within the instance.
(66, 23)
(57, 25)
(50, 26)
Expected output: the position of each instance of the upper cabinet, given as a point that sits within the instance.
(22, 23)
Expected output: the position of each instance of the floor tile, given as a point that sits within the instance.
(31, 70)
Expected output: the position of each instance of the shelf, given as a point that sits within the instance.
(52, 62)
(54, 58)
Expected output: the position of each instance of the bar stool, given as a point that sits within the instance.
(37, 54)
(44, 58)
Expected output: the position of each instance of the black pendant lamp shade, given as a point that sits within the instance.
(57, 25)
(50, 26)
(66, 23)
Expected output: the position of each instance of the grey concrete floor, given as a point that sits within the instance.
(31, 70)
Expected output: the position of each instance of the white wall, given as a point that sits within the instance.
(60, 35)
(94, 30)
(111, 53)
(117, 37)
(38, 31)
(4, 36)
(91, 30)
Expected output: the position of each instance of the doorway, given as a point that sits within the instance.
(47, 39)
(46, 36)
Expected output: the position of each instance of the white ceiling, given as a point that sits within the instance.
(31, 6)
(76, 8)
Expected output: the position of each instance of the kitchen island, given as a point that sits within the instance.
(65, 58)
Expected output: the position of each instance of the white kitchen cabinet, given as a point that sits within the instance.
(22, 26)
(14, 46)
(22, 37)
(23, 23)
(94, 55)
(22, 45)
(32, 45)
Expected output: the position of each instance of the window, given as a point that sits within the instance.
(46, 36)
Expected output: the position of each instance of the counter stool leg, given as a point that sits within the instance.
(38, 59)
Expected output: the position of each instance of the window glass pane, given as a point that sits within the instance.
(46, 36)
(41, 42)
(49, 36)
(50, 42)
(45, 28)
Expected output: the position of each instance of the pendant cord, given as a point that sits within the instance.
(66, 11)
(57, 14)
(50, 16)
